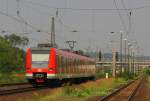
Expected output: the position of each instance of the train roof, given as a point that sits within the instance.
(62, 52)
(40, 48)
(71, 54)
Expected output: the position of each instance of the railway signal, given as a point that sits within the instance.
(71, 44)
(117, 56)
(100, 55)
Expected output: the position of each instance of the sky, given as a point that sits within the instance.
(93, 21)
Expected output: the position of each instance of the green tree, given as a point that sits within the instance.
(5, 56)
(11, 58)
(16, 40)
(24, 41)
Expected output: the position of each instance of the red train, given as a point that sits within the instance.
(44, 65)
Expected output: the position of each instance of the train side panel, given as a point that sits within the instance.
(52, 64)
(74, 66)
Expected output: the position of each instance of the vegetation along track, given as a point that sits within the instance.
(125, 93)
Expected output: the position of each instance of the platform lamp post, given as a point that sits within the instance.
(121, 37)
(132, 59)
(125, 54)
(113, 58)
(133, 55)
(129, 61)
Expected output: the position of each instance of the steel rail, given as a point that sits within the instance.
(17, 88)
(13, 91)
(13, 84)
(115, 92)
(135, 91)
(20, 90)
(121, 88)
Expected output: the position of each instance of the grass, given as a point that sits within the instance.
(93, 89)
(81, 92)
(149, 80)
(12, 77)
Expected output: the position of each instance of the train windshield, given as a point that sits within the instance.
(40, 59)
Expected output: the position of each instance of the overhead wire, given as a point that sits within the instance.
(57, 17)
(124, 6)
(69, 8)
(37, 10)
(130, 25)
(129, 14)
(142, 7)
(79, 9)
(23, 21)
(120, 16)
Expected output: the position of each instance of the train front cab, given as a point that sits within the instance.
(40, 65)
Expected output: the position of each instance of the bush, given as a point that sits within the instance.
(11, 77)
(129, 76)
(100, 74)
(11, 58)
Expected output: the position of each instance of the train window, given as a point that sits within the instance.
(67, 65)
(40, 60)
(70, 65)
(62, 61)
(59, 61)
(78, 62)
(73, 65)
(78, 69)
(62, 64)
(58, 64)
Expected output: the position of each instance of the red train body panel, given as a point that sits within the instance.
(44, 64)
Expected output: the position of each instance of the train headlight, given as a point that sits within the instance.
(39, 70)
(50, 69)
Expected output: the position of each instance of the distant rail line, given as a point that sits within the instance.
(124, 93)
(13, 84)
(6, 89)
(18, 90)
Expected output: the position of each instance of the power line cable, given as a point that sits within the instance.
(130, 25)
(121, 19)
(124, 6)
(23, 21)
(129, 14)
(64, 8)
(66, 26)
(142, 7)
(69, 8)
(37, 10)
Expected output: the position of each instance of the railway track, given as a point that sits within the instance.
(6, 89)
(125, 93)
(13, 91)
(20, 90)
(13, 84)
(137, 89)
